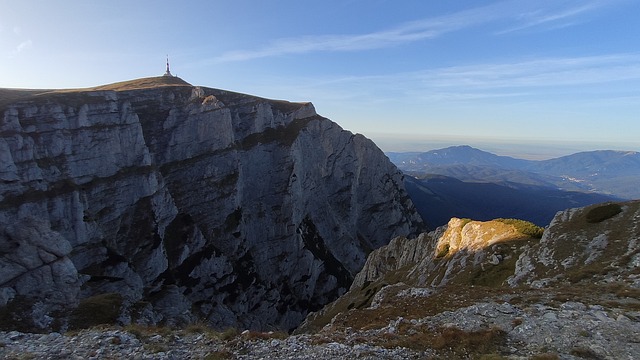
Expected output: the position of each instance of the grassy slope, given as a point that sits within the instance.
(8, 96)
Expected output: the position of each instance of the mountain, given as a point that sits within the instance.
(592, 164)
(609, 172)
(459, 155)
(155, 201)
(500, 289)
(462, 181)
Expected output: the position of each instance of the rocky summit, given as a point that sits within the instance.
(157, 202)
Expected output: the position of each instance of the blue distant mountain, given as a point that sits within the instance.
(463, 181)
(615, 173)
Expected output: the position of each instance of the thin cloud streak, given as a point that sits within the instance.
(529, 78)
(424, 29)
(556, 19)
(25, 45)
(572, 71)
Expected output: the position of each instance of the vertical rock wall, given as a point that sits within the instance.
(192, 203)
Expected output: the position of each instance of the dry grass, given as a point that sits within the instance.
(545, 356)
(446, 341)
(603, 212)
(585, 353)
(8, 96)
(524, 227)
(219, 355)
(260, 335)
(448, 298)
(453, 297)
(228, 334)
(143, 332)
(96, 310)
(143, 83)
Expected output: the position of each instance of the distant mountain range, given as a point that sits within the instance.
(463, 181)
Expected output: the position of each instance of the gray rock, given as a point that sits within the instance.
(190, 202)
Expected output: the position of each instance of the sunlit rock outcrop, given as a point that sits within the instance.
(552, 290)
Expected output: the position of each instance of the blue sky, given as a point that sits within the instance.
(552, 75)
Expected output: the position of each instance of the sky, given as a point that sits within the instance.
(536, 78)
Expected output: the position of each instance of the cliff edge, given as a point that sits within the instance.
(174, 203)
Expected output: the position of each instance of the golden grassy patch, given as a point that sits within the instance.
(143, 83)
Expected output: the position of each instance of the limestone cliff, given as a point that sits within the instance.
(189, 202)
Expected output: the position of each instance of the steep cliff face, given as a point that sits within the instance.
(190, 202)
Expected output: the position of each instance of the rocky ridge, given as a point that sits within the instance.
(495, 330)
(473, 290)
(170, 203)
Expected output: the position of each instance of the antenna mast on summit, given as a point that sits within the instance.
(167, 73)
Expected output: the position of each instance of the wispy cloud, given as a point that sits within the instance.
(405, 33)
(609, 76)
(567, 71)
(515, 15)
(23, 46)
(553, 15)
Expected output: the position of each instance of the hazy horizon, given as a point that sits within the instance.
(518, 148)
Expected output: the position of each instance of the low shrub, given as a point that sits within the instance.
(545, 356)
(96, 310)
(603, 212)
(443, 251)
(219, 355)
(228, 334)
(143, 332)
(460, 341)
(450, 341)
(259, 335)
(524, 227)
(16, 315)
(585, 353)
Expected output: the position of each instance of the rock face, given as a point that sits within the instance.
(601, 240)
(501, 287)
(596, 243)
(190, 202)
(457, 253)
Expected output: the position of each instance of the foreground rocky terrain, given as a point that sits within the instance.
(501, 289)
(490, 330)
(154, 201)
